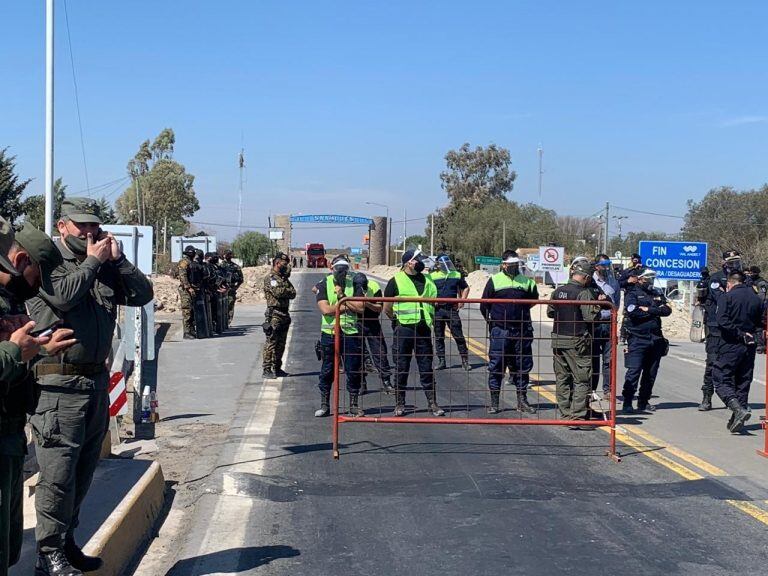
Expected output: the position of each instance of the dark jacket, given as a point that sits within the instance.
(512, 315)
(739, 312)
(645, 323)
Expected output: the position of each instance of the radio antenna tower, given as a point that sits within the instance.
(241, 162)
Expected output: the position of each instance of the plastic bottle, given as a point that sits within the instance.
(146, 406)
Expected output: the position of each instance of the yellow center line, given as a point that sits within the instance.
(649, 451)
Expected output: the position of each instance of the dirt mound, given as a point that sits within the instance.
(382, 271)
(252, 290)
(166, 293)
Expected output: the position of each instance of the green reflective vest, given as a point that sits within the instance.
(347, 319)
(373, 287)
(440, 275)
(502, 282)
(409, 313)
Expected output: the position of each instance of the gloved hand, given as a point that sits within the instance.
(267, 327)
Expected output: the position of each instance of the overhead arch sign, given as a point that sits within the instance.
(329, 219)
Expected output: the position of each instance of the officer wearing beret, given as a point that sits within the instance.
(26, 259)
(72, 414)
(709, 295)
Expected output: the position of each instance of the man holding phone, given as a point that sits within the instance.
(85, 289)
(25, 260)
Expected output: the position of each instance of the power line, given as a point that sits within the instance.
(77, 99)
(648, 213)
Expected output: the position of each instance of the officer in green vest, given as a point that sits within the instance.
(336, 286)
(450, 284)
(371, 328)
(511, 331)
(413, 321)
(572, 343)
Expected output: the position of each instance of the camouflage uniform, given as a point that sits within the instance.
(278, 292)
(236, 280)
(186, 299)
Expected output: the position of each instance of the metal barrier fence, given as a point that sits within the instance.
(764, 417)
(520, 346)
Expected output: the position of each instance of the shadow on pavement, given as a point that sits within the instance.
(184, 416)
(234, 560)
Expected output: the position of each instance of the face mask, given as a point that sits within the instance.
(78, 246)
(419, 266)
(340, 276)
(733, 266)
(512, 270)
(20, 288)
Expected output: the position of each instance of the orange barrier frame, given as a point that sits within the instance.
(610, 422)
(764, 423)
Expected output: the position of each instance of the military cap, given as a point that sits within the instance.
(81, 210)
(731, 255)
(7, 237)
(40, 247)
(280, 256)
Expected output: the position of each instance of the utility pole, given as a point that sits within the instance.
(503, 235)
(541, 169)
(607, 220)
(432, 237)
(49, 54)
(405, 228)
(241, 162)
(618, 223)
(165, 235)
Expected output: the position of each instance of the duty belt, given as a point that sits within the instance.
(279, 310)
(64, 369)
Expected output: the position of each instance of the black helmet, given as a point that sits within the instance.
(189, 251)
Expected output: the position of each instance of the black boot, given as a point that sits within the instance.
(55, 564)
(325, 405)
(441, 364)
(268, 374)
(386, 385)
(740, 415)
(706, 402)
(400, 403)
(522, 403)
(494, 407)
(433, 406)
(78, 559)
(627, 407)
(465, 364)
(354, 407)
(189, 336)
(280, 373)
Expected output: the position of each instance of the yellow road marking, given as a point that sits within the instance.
(747, 507)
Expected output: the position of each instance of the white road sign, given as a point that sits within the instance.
(551, 258)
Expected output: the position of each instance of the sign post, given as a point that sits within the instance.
(490, 264)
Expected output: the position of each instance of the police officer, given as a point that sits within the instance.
(371, 329)
(740, 319)
(187, 292)
(413, 321)
(572, 343)
(644, 308)
(72, 414)
(23, 262)
(607, 285)
(217, 287)
(234, 281)
(760, 286)
(336, 286)
(511, 331)
(709, 294)
(278, 292)
(450, 284)
(628, 276)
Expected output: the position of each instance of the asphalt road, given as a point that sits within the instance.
(406, 499)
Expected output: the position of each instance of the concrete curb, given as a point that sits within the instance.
(129, 525)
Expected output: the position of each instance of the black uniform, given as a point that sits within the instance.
(738, 315)
(710, 293)
(646, 344)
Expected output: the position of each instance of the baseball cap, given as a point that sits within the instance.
(7, 237)
(81, 210)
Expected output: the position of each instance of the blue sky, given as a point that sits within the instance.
(337, 103)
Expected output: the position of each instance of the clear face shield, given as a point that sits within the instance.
(340, 270)
(445, 265)
(511, 266)
(734, 264)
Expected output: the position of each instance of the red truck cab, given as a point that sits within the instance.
(316, 256)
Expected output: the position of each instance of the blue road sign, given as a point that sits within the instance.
(674, 260)
(330, 219)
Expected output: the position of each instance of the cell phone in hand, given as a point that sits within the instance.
(43, 334)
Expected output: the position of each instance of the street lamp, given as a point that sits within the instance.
(389, 230)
